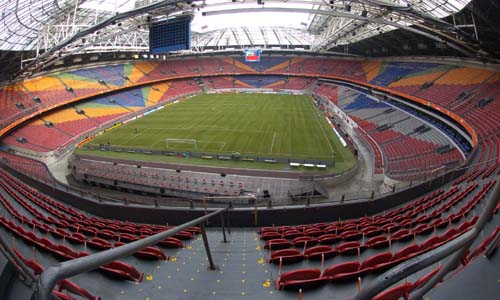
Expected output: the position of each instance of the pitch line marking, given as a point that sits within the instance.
(213, 127)
(135, 135)
(272, 143)
(322, 129)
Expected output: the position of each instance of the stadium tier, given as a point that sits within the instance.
(226, 150)
(405, 144)
(59, 128)
(28, 166)
(409, 147)
(44, 231)
(439, 78)
(359, 247)
(60, 233)
(437, 83)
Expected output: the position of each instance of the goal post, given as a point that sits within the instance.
(170, 141)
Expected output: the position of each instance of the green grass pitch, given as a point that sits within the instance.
(271, 125)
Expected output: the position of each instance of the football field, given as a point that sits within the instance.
(268, 125)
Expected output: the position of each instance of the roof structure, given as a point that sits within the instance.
(52, 29)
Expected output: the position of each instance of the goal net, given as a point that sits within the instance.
(178, 143)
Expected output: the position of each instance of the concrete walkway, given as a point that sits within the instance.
(59, 168)
(364, 182)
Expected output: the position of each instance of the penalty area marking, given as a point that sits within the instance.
(223, 144)
(222, 147)
(140, 132)
(272, 143)
(248, 106)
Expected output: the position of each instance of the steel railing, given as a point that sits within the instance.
(53, 274)
(11, 256)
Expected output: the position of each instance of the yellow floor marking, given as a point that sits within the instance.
(266, 283)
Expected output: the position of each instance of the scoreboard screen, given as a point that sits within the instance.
(170, 35)
(252, 55)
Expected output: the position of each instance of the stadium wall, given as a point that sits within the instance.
(244, 217)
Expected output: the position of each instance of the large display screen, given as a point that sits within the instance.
(252, 55)
(170, 35)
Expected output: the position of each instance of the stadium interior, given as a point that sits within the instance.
(249, 149)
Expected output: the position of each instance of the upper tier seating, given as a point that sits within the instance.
(442, 84)
(27, 166)
(471, 87)
(408, 153)
(65, 125)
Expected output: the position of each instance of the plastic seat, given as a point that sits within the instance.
(328, 239)
(286, 256)
(376, 242)
(372, 231)
(301, 279)
(314, 232)
(66, 285)
(318, 252)
(184, 235)
(351, 235)
(119, 269)
(270, 235)
(423, 229)
(100, 244)
(292, 234)
(424, 279)
(377, 262)
(277, 244)
(304, 241)
(150, 253)
(343, 271)
(402, 235)
(77, 238)
(349, 248)
(395, 293)
(431, 243)
(406, 252)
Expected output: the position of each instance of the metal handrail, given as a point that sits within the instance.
(457, 247)
(15, 260)
(53, 274)
(493, 246)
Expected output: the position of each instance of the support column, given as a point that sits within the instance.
(207, 247)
